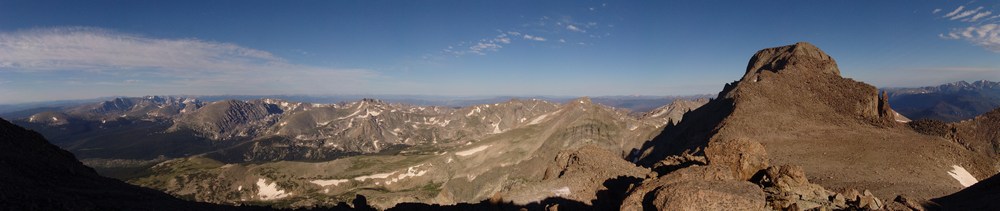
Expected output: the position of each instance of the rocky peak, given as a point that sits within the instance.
(372, 100)
(801, 56)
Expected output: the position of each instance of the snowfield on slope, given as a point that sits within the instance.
(269, 191)
(472, 151)
(962, 176)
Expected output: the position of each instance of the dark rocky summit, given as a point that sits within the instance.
(821, 138)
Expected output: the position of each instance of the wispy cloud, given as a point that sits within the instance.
(535, 38)
(936, 11)
(560, 28)
(956, 11)
(980, 15)
(982, 32)
(188, 64)
(574, 28)
(986, 35)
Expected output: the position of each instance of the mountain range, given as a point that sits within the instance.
(947, 102)
(790, 134)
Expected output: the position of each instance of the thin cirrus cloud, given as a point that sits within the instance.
(547, 26)
(984, 31)
(181, 64)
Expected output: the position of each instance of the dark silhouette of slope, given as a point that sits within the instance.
(36, 175)
(984, 195)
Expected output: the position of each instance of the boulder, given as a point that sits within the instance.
(745, 157)
(787, 185)
(634, 200)
(709, 195)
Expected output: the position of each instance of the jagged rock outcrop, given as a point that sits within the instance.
(800, 57)
(794, 102)
(590, 174)
(674, 112)
(744, 157)
(230, 118)
(980, 134)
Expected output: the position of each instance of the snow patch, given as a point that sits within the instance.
(373, 113)
(962, 176)
(472, 151)
(473, 111)
(351, 115)
(496, 128)
(538, 119)
(270, 191)
(329, 182)
(55, 119)
(374, 176)
(564, 191)
(410, 172)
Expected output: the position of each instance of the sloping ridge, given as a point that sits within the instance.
(793, 100)
(37, 175)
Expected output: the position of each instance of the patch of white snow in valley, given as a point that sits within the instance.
(472, 151)
(564, 191)
(374, 113)
(496, 128)
(962, 176)
(270, 191)
(374, 176)
(351, 115)
(538, 119)
(328, 182)
(659, 113)
(410, 172)
(55, 119)
(240, 188)
(473, 111)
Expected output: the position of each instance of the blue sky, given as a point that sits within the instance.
(53, 50)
